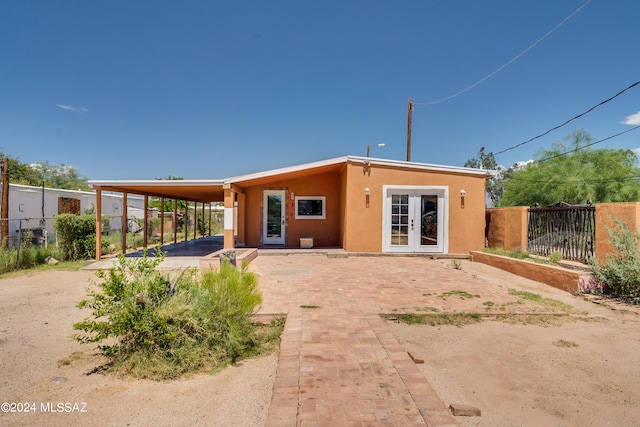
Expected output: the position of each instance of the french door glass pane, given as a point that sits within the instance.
(429, 220)
(274, 216)
(399, 219)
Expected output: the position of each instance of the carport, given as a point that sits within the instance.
(196, 192)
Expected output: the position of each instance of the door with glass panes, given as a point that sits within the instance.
(414, 219)
(273, 217)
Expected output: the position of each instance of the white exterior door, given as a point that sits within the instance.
(273, 217)
(415, 219)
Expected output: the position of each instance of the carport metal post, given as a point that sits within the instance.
(98, 223)
(146, 222)
(162, 222)
(203, 228)
(175, 221)
(123, 239)
(195, 220)
(186, 220)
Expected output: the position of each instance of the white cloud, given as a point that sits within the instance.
(637, 151)
(71, 108)
(632, 120)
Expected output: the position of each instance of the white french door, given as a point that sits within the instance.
(415, 219)
(273, 217)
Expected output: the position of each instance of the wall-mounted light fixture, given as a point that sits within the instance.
(367, 192)
(293, 196)
(463, 194)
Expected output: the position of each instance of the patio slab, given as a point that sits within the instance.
(339, 364)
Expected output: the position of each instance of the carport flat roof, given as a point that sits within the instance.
(193, 190)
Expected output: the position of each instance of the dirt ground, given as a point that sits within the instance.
(568, 373)
(45, 372)
(575, 373)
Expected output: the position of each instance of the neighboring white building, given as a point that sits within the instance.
(33, 208)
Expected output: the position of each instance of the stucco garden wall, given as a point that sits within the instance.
(507, 227)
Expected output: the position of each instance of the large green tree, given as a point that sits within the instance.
(574, 173)
(64, 177)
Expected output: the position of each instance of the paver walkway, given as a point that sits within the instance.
(339, 364)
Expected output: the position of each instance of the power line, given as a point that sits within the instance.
(578, 182)
(584, 181)
(570, 120)
(588, 145)
(508, 62)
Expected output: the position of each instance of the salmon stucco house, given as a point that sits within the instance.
(359, 204)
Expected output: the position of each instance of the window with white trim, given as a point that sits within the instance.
(310, 207)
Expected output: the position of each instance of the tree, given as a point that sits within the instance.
(494, 183)
(37, 174)
(575, 174)
(21, 173)
(65, 177)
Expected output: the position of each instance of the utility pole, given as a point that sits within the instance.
(4, 208)
(409, 113)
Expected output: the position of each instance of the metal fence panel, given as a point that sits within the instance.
(569, 230)
(34, 231)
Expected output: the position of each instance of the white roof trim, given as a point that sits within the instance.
(416, 165)
(288, 169)
(370, 160)
(157, 182)
(274, 172)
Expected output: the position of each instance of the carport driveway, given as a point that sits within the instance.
(339, 364)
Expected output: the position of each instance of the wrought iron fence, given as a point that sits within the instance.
(568, 229)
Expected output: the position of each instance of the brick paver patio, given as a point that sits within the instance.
(339, 364)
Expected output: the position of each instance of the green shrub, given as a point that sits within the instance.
(620, 274)
(158, 329)
(7, 260)
(77, 234)
(217, 308)
(125, 307)
(29, 256)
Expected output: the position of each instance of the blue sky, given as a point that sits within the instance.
(212, 89)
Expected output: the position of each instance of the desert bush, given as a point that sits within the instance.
(158, 329)
(620, 274)
(77, 234)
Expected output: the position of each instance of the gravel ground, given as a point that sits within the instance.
(41, 368)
